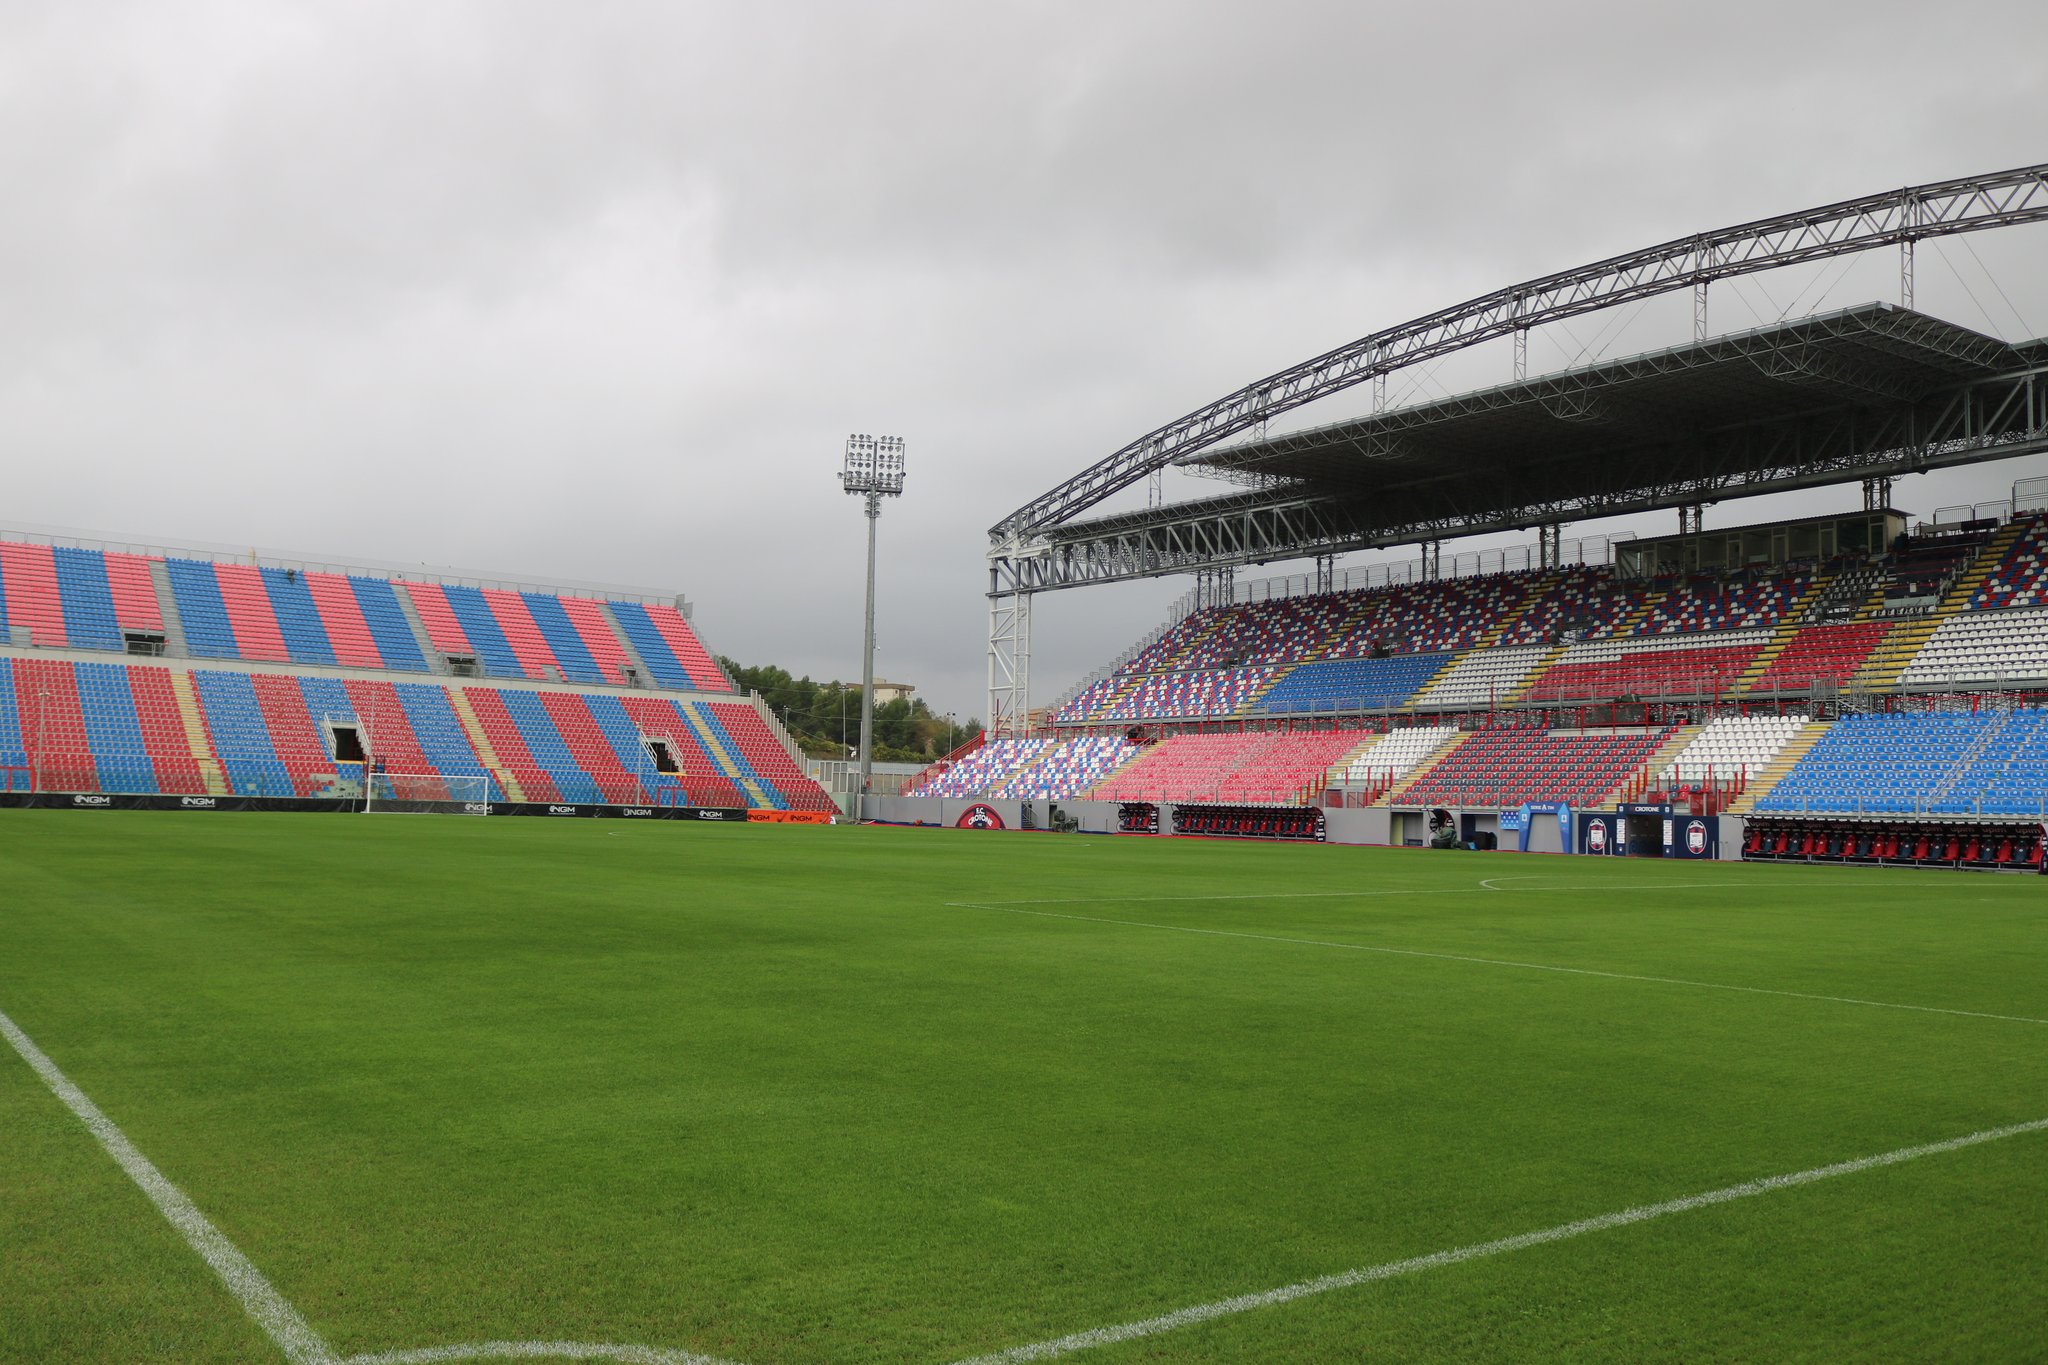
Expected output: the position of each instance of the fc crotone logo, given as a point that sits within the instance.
(979, 816)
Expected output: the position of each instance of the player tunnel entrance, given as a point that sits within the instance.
(347, 741)
(1645, 835)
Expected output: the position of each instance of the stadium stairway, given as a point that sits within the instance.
(709, 739)
(1258, 695)
(167, 602)
(1774, 772)
(1966, 763)
(196, 737)
(1115, 696)
(1890, 657)
(1847, 593)
(1633, 622)
(1896, 652)
(931, 772)
(1538, 586)
(1535, 675)
(1989, 556)
(629, 652)
(156, 708)
(422, 640)
(1340, 769)
(1785, 633)
(1422, 770)
(1029, 771)
(1360, 610)
(1789, 625)
(1652, 768)
(1179, 659)
(764, 752)
(481, 742)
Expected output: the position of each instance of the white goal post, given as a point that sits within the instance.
(472, 791)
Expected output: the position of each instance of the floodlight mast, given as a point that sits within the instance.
(873, 471)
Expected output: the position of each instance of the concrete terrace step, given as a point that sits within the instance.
(1507, 620)
(167, 608)
(196, 737)
(1424, 768)
(1650, 768)
(458, 701)
(723, 758)
(1543, 666)
(1782, 762)
(618, 629)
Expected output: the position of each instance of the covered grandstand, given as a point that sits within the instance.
(1870, 665)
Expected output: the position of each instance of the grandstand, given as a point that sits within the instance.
(170, 677)
(1867, 664)
(1734, 692)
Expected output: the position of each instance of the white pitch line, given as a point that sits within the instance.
(1642, 1213)
(1322, 895)
(534, 1350)
(1017, 908)
(259, 1298)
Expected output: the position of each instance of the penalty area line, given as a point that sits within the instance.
(1016, 908)
(1642, 1213)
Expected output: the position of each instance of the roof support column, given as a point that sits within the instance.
(1550, 545)
(1910, 211)
(1216, 587)
(1009, 649)
(1326, 575)
(1521, 338)
(1877, 493)
(1432, 560)
(1689, 518)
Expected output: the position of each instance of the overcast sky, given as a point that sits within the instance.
(596, 290)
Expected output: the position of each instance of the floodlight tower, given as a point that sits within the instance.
(873, 471)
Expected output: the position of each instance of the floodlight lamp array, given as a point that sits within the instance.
(874, 465)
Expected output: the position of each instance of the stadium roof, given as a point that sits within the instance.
(1567, 435)
(1869, 392)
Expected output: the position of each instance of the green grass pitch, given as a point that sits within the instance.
(784, 1095)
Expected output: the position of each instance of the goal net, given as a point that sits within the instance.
(397, 790)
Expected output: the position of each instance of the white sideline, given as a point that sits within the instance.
(1323, 895)
(1642, 1213)
(259, 1298)
(1018, 908)
(534, 1350)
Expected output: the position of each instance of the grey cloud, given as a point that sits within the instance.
(597, 290)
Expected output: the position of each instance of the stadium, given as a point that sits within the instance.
(790, 1074)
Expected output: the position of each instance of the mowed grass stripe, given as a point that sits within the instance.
(762, 1096)
(1023, 908)
(1180, 1318)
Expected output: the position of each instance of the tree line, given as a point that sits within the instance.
(824, 717)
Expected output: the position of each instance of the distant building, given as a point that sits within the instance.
(886, 692)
